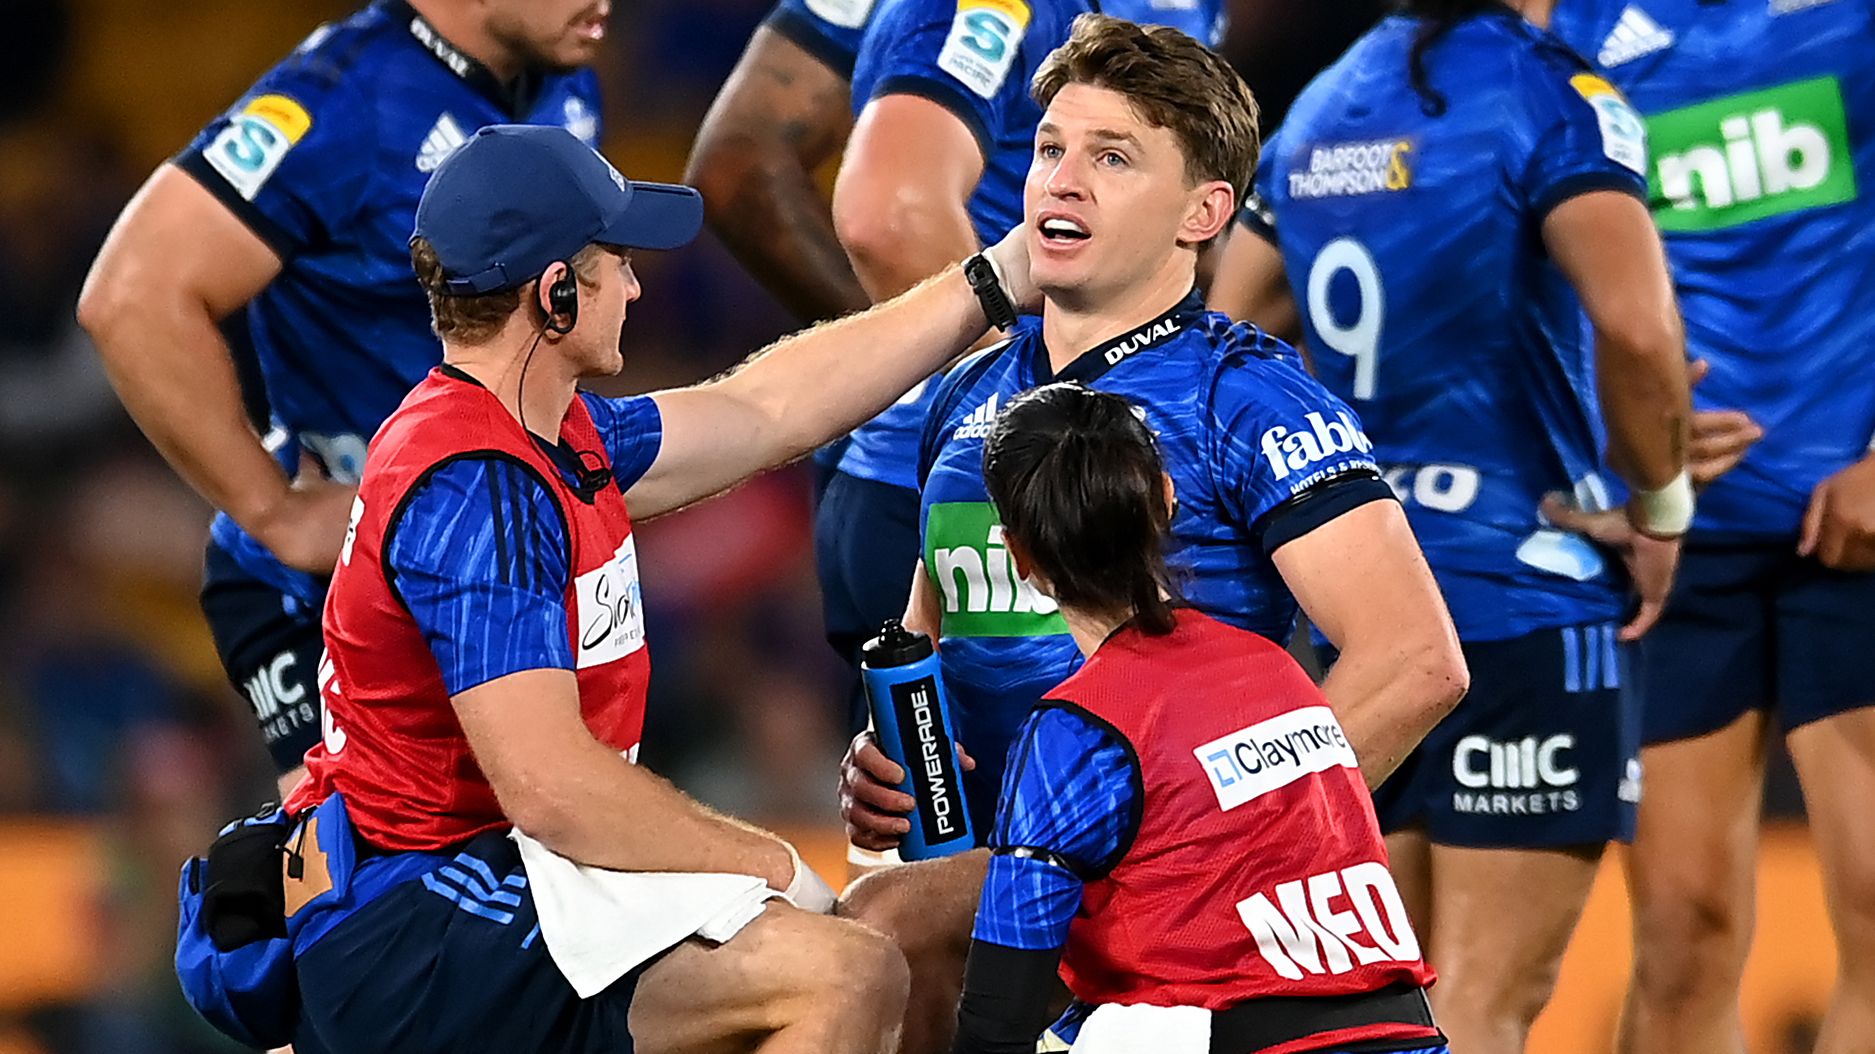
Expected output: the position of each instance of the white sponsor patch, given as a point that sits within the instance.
(1272, 754)
(847, 14)
(1624, 137)
(982, 46)
(610, 608)
(257, 138)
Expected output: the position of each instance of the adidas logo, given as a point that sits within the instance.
(1633, 36)
(980, 421)
(445, 136)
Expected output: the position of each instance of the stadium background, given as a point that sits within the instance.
(121, 746)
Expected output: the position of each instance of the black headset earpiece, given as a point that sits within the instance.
(563, 299)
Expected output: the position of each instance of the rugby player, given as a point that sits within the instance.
(487, 663)
(1761, 119)
(942, 137)
(1171, 798)
(1444, 202)
(294, 206)
(1146, 142)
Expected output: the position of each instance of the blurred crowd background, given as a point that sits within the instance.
(121, 745)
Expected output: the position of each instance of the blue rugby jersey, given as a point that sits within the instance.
(1413, 244)
(976, 59)
(1761, 117)
(1243, 431)
(324, 158)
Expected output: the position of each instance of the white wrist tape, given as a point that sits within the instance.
(808, 891)
(1667, 512)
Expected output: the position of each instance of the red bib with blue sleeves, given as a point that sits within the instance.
(1257, 868)
(392, 745)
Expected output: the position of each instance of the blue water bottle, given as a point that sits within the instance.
(912, 717)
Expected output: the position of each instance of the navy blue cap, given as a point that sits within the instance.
(515, 198)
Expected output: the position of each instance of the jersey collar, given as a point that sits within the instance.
(514, 99)
(1113, 351)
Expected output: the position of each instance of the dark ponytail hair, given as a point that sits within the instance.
(1437, 17)
(1079, 485)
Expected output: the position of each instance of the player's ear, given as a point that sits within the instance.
(1213, 205)
(1171, 495)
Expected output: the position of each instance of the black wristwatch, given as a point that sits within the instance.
(997, 307)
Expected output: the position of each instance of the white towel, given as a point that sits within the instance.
(1140, 1029)
(599, 925)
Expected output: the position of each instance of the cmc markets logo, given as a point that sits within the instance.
(1530, 776)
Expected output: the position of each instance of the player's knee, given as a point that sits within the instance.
(899, 909)
(866, 975)
(1505, 997)
(1691, 944)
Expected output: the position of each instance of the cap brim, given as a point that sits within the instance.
(659, 216)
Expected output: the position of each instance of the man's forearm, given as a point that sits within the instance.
(778, 224)
(827, 381)
(610, 813)
(1646, 401)
(1388, 696)
(175, 375)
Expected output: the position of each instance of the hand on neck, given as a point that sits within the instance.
(1073, 323)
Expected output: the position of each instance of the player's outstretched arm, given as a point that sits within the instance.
(1606, 244)
(1363, 582)
(585, 802)
(779, 117)
(815, 385)
(175, 264)
(1251, 285)
(901, 202)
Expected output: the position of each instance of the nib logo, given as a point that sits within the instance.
(1750, 156)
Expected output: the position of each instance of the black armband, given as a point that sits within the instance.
(1319, 504)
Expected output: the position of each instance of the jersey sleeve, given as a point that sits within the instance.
(829, 30)
(632, 429)
(1583, 136)
(1068, 812)
(1277, 438)
(478, 553)
(960, 54)
(293, 157)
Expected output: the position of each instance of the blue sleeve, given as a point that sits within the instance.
(1583, 135)
(959, 54)
(632, 430)
(293, 158)
(479, 556)
(1071, 790)
(829, 30)
(1275, 432)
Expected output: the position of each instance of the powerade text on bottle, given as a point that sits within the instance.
(912, 718)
